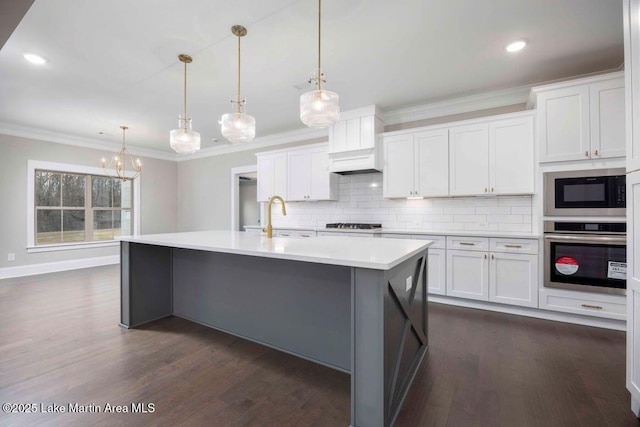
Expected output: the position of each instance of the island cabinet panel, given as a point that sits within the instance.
(147, 288)
(389, 348)
(288, 305)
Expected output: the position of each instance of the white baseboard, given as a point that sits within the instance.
(52, 267)
(533, 312)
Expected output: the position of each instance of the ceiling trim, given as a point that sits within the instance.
(482, 101)
(63, 138)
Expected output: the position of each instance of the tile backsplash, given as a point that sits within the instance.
(360, 200)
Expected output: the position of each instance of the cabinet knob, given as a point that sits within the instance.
(492, 257)
(596, 153)
(485, 256)
(586, 154)
(485, 189)
(492, 189)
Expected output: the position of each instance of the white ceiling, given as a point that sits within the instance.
(115, 62)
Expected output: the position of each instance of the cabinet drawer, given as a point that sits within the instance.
(609, 306)
(468, 243)
(522, 246)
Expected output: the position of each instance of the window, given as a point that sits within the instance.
(73, 206)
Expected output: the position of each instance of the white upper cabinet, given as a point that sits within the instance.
(416, 164)
(398, 166)
(272, 176)
(581, 121)
(308, 175)
(511, 156)
(486, 156)
(431, 167)
(469, 160)
(607, 119)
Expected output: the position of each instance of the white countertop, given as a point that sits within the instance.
(378, 254)
(500, 234)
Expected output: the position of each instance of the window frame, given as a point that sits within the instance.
(32, 166)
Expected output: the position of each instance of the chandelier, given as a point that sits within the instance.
(319, 108)
(119, 163)
(238, 126)
(184, 140)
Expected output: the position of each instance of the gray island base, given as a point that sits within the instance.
(365, 319)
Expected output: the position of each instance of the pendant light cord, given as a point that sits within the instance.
(239, 102)
(185, 97)
(319, 39)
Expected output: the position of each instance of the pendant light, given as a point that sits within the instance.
(184, 140)
(119, 163)
(319, 108)
(238, 126)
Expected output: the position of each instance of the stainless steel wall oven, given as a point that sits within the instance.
(586, 256)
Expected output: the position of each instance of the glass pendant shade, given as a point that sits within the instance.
(184, 140)
(238, 127)
(319, 108)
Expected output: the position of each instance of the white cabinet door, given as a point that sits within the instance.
(298, 175)
(513, 279)
(398, 166)
(468, 274)
(633, 284)
(468, 161)
(272, 176)
(431, 163)
(563, 124)
(607, 119)
(321, 185)
(437, 271)
(511, 156)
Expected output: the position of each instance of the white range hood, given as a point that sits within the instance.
(355, 144)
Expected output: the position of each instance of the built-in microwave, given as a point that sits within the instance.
(597, 192)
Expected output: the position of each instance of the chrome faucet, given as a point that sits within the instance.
(269, 229)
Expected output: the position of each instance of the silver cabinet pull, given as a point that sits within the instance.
(467, 244)
(596, 153)
(485, 189)
(305, 235)
(492, 189)
(513, 246)
(492, 257)
(485, 256)
(592, 306)
(586, 154)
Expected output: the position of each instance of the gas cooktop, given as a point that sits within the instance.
(354, 226)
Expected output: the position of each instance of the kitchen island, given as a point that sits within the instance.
(355, 305)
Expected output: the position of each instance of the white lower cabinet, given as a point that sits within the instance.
(513, 279)
(437, 272)
(468, 274)
(508, 273)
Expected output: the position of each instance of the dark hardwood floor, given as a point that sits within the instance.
(60, 344)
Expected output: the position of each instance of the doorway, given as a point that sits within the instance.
(245, 209)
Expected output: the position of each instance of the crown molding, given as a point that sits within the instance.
(67, 139)
(482, 101)
(259, 143)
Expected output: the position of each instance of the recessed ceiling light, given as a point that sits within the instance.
(35, 59)
(516, 46)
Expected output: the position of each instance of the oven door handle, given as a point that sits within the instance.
(586, 239)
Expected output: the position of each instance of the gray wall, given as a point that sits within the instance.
(157, 196)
